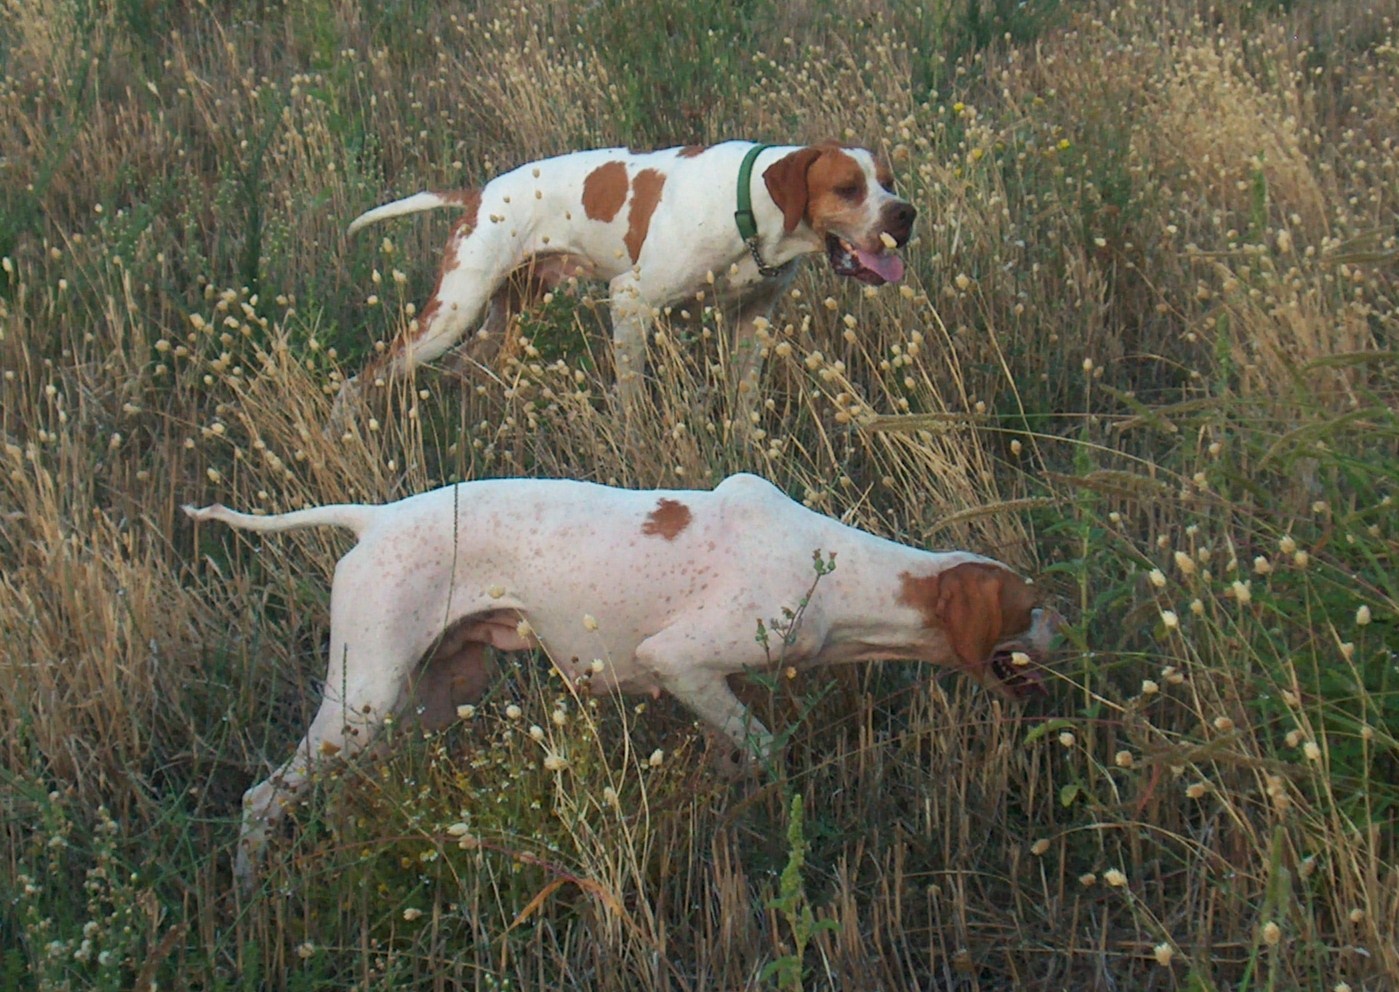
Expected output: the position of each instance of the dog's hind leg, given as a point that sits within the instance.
(371, 658)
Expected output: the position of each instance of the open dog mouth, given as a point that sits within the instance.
(1018, 672)
(1018, 664)
(875, 268)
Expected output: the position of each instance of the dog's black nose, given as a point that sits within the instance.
(898, 220)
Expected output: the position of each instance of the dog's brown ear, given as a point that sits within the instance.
(981, 605)
(786, 183)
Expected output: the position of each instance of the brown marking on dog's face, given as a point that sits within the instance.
(667, 520)
(692, 151)
(883, 173)
(604, 191)
(836, 192)
(645, 194)
(977, 606)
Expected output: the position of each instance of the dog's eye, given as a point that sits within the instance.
(848, 191)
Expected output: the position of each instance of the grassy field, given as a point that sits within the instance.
(1147, 351)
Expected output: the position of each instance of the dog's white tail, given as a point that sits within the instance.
(416, 203)
(352, 516)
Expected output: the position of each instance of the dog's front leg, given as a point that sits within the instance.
(631, 317)
(750, 343)
(740, 742)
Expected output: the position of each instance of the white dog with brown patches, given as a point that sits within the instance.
(660, 229)
(637, 591)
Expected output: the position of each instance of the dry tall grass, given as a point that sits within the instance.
(1146, 349)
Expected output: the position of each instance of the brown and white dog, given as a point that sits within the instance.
(659, 229)
(637, 591)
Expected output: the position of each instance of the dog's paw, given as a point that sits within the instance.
(730, 762)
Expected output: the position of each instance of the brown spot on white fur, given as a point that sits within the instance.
(668, 519)
(646, 193)
(835, 190)
(468, 198)
(977, 605)
(884, 174)
(470, 201)
(604, 191)
(786, 184)
(692, 151)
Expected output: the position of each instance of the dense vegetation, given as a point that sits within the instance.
(1146, 351)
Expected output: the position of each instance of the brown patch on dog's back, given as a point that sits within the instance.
(646, 193)
(692, 151)
(604, 191)
(667, 520)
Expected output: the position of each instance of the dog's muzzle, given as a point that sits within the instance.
(1018, 664)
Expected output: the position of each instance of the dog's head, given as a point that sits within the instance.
(846, 196)
(991, 622)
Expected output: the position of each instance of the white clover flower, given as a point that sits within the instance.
(1272, 933)
(513, 712)
(412, 913)
(1286, 544)
(657, 756)
(305, 951)
(466, 711)
(1123, 759)
(1312, 751)
(1039, 847)
(1163, 954)
(1362, 615)
(1150, 687)
(555, 762)
(1066, 738)
(1169, 618)
(1157, 577)
(1243, 592)
(1185, 563)
(536, 731)
(1115, 878)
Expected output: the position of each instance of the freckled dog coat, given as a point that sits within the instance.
(659, 229)
(664, 588)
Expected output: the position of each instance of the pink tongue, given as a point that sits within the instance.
(886, 265)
